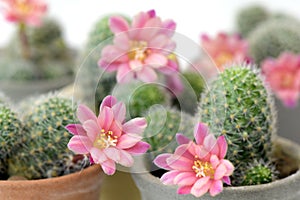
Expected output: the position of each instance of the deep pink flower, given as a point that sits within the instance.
(225, 49)
(24, 11)
(283, 76)
(197, 167)
(107, 138)
(139, 49)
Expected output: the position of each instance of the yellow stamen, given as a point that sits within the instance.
(203, 169)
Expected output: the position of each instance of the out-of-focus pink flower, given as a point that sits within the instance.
(225, 49)
(24, 11)
(107, 138)
(283, 76)
(197, 167)
(139, 49)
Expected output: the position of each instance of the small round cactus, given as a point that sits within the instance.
(44, 152)
(163, 124)
(259, 173)
(139, 97)
(238, 105)
(273, 37)
(249, 18)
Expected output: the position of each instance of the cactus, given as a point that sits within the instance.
(44, 152)
(238, 105)
(163, 124)
(249, 18)
(139, 97)
(10, 136)
(259, 173)
(273, 37)
(193, 87)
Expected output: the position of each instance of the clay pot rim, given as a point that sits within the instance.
(89, 170)
(232, 189)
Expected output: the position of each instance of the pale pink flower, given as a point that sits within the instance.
(197, 167)
(140, 49)
(225, 49)
(107, 138)
(24, 11)
(283, 76)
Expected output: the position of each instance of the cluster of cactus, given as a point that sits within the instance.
(237, 105)
(273, 37)
(139, 97)
(163, 124)
(11, 135)
(43, 152)
(250, 17)
(49, 55)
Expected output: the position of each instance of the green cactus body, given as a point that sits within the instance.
(238, 106)
(273, 37)
(249, 18)
(259, 173)
(139, 97)
(10, 135)
(193, 87)
(163, 124)
(44, 152)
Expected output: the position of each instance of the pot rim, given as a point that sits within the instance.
(89, 170)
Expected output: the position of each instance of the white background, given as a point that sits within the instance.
(193, 17)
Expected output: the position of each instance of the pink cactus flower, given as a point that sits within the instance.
(225, 49)
(24, 11)
(140, 49)
(107, 138)
(283, 76)
(197, 167)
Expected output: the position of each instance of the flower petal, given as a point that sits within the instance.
(183, 150)
(201, 187)
(84, 114)
(108, 167)
(147, 74)
(185, 178)
(139, 148)
(92, 129)
(112, 153)
(80, 144)
(182, 139)
(105, 118)
(186, 189)
(229, 167)
(220, 172)
(124, 74)
(156, 60)
(221, 141)
(200, 132)
(119, 111)
(136, 125)
(216, 188)
(98, 155)
(108, 101)
(128, 140)
(125, 159)
(214, 160)
(167, 178)
(118, 24)
(180, 163)
(76, 129)
(210, 142)
(226, 180)
(161, 161)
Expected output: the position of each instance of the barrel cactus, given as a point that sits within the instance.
(273, 37)
(10, 135)
(250, 17)
(139, 97)
(44, 151)
(238, 105)
(163, 124)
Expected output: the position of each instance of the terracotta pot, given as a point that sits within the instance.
(83, 185)
(20, 90)
(287, 188)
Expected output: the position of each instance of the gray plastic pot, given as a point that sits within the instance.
(284, 189)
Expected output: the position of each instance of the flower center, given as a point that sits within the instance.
(138, 50)
(287, 80)
(203, 169)
(223, 58)
(23, 7)
(105, 139)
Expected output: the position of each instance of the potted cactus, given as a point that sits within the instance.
(35, 158)
(237, 109)
(37, 59)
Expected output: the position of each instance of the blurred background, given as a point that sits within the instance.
(193, 18)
